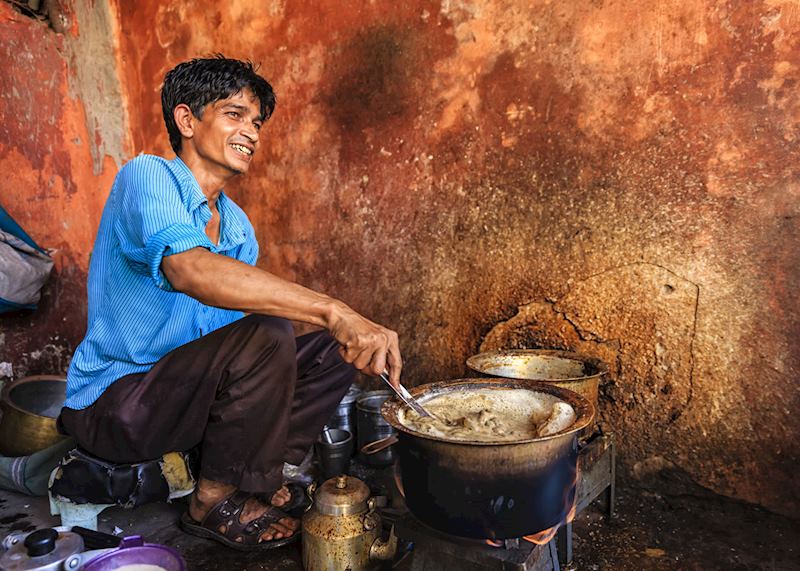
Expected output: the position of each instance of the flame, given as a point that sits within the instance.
(494, 543)
(398, 482)
(543, 537)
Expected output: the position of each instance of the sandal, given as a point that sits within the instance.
(222, 524)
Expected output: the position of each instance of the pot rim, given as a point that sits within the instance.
(5, 396)
(478, 362)
(584, 409)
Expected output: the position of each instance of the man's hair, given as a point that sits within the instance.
(201, 81)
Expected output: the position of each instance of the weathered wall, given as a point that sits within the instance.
(62, 135)
(611, 177)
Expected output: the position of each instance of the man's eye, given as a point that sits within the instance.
(257, 126)
(233, 113)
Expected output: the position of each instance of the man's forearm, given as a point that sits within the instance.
(223, 282)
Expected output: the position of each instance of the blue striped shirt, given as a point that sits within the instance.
(155, 209)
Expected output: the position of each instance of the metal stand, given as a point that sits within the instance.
(596, 477)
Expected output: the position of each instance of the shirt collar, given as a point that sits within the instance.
(232, 232)
(191, 192)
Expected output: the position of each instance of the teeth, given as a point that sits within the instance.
(242, 149)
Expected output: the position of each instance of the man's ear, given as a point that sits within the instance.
(184, 119)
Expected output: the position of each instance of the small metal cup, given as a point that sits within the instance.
(334, 457)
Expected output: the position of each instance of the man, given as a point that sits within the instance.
(169, 362)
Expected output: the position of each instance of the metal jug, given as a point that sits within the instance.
(342, 530)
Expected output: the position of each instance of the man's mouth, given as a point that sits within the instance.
(242, 149)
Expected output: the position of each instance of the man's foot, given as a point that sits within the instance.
(209, 493)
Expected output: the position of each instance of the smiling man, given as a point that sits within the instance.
(169, 361)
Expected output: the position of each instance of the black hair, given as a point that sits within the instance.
(201, 81)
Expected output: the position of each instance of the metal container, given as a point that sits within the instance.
(342, 529)
(344, 417)
(30, 407)
(42, 550)
(334, 456)
(372, 426)
(564, 369)
(62, 549)
(489, 490)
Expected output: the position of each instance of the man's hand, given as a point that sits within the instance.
(370, 347)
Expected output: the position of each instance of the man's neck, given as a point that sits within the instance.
(211, 182)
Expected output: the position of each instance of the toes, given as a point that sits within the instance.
(277, 531)
(280, 497)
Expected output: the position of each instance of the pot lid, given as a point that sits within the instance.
(41, 549)
(342, 495)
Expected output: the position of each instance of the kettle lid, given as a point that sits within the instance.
(41, 549)
(342, 495)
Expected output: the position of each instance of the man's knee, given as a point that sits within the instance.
(272, 331)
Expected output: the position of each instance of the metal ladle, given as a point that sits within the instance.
(405, 396)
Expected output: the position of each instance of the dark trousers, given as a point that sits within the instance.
(250, 394)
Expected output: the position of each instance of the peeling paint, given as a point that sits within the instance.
(609, 177)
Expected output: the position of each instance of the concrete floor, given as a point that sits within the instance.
(690, 530)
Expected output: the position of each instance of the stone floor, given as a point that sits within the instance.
(690, 530)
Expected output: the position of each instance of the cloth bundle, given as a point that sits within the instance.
(24, 267)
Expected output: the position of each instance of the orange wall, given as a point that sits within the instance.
(611, 177)
(56, 173)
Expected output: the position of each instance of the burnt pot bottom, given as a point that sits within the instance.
(473, 492)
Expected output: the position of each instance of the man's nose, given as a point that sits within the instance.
(251, 132)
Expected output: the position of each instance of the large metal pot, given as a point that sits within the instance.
(564, 369)
(489, 490)
(30, 407)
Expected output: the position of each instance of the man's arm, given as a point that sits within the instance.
(223, 282)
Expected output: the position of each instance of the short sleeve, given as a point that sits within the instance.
(152, 220)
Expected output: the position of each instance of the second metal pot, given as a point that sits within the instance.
(563, 369)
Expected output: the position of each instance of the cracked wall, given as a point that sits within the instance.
(610, 177)
(440, 166)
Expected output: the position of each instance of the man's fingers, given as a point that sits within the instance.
(363, 360)
(394, 360)
(372, 350)
(349, 354)
(378, 362)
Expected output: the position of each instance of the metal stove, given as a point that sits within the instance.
(433, 551)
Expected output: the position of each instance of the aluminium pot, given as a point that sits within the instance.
(489, 490)
(564, 369)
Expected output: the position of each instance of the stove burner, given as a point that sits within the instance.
(435, 550)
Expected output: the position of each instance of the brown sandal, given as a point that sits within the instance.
(222, 524)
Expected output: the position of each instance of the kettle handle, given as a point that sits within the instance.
(310, 491)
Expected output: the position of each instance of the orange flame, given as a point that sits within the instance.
(544, 536)
(398, 482)
(494, 543)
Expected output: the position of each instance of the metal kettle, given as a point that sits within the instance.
(342, 530)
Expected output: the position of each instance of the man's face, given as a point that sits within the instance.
(227, 136)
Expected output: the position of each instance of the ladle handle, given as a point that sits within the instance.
(378, 445)
(405, 396)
